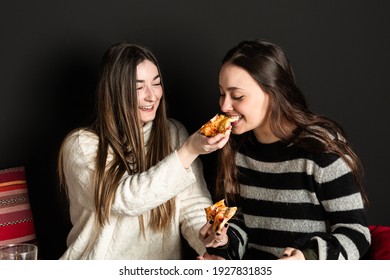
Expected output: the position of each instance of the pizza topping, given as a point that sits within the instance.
(218, 124)
(220, 214)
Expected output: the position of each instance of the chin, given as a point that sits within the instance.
(236, 131)
(239, 130)
(149, 119)
(146, 120)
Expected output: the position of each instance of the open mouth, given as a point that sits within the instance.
(234, 119)
(146, 108)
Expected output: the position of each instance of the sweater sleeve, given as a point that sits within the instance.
(135, 194)
(348, 236)
(142, 192)
(193, 201)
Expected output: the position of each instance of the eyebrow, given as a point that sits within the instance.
(155, 78)
(230, 88)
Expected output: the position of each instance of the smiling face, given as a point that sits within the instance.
(149, 90)
(241, 96)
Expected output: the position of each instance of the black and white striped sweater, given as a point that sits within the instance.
(293, 198)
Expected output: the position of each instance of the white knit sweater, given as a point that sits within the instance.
(121, 238)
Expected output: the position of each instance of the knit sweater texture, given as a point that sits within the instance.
(290, 197)
(121, 237)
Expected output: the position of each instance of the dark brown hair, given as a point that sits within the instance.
(290, 118)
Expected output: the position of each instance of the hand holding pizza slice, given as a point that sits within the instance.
(220, 214)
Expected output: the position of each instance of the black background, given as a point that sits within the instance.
(50, 52)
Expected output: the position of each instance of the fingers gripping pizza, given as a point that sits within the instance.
(220, 214)
(218, 124)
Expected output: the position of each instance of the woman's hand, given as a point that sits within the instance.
(292, 254)
(210, 238)
(207, 256)
(198, 144)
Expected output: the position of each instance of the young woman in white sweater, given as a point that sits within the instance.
(133, 179)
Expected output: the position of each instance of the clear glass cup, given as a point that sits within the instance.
(22, 251)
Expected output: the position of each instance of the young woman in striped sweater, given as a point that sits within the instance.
(295, 179)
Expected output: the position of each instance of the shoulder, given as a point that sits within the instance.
(81, 135)
(177, 127)
(177, 131)
(81, 139)
(175, 124)
(322, 134)
(314, 139)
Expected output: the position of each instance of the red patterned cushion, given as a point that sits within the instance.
(16, 221)
(380, 242)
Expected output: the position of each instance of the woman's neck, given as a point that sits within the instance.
(265, 137)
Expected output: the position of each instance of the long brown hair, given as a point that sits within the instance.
(290, 118)
(120, 133)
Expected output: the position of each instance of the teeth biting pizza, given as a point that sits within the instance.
(220, 214)
(218, 124)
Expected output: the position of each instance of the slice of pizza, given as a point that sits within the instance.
(218, 124)
(212, 210)
(220, 214)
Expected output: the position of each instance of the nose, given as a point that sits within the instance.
(225, 104)
(149, 94)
